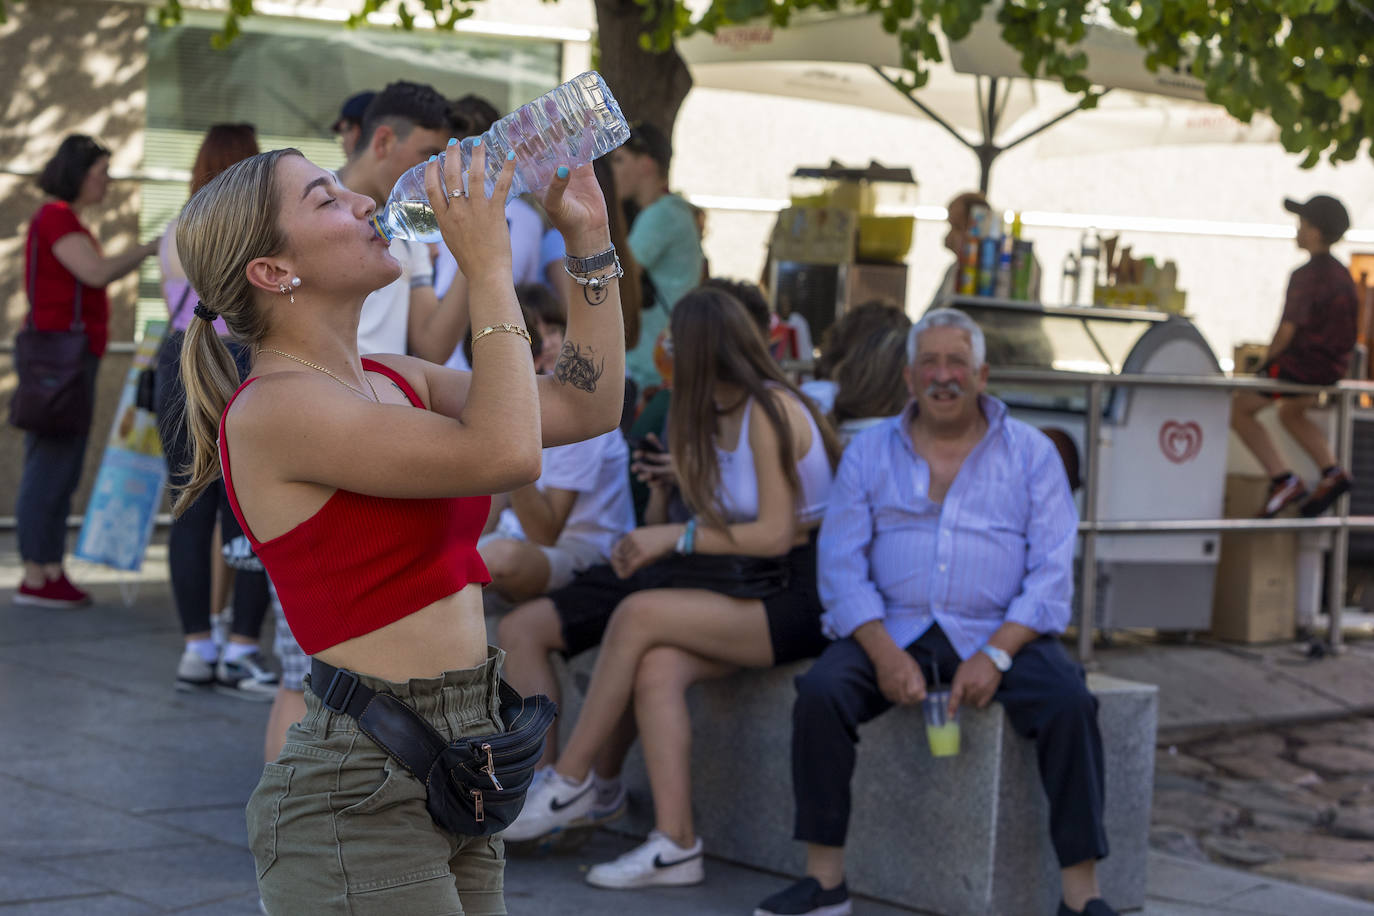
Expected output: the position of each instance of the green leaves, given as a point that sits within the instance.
(1308, 64)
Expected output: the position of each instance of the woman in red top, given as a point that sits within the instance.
(365, 510)
(64, 262)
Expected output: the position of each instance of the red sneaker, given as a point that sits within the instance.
(57, 592)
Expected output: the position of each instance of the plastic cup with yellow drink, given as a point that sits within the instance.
(942, 729)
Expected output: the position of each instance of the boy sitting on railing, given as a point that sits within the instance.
(1312, 345)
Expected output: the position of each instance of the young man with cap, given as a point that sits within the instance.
(1312, 345)
(350, 121)
(663, 239)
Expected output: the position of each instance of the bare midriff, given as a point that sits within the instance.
(447, 635)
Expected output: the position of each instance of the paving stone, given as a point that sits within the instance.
(1351, 789)
(1238, 850)
(190, 874)
(1355, 822)
(1353, 878)
(1170, 760)
(1255, 744)
(1337, 758)
(1175, 841)
(1266, 767)
(1285, 801)
(1359, 732)
(1178, 808)
(1303, 844)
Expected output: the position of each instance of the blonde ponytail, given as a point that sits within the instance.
(225, 225)
(210, 376)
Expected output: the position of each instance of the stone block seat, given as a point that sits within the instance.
(961, 835)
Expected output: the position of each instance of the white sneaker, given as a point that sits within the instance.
(658, 862)
(194, 672)
(552, 804)
(610, 800)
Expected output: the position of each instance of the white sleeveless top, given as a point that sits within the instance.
(739, 485)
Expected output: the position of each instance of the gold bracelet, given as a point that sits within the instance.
(508, 328)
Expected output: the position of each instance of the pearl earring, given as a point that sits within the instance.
(296, 282)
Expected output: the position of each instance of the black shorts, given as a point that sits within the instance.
(585, 606)
(1283, 375)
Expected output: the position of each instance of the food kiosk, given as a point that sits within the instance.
(1162, 451)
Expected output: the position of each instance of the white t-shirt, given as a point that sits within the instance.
(386, 312)
(526, 235)
(597, 470)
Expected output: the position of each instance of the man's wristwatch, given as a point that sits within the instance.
(999, 658)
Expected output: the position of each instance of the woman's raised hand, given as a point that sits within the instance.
(473, 225)
(576, 206)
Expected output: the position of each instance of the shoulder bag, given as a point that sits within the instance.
(53, 397)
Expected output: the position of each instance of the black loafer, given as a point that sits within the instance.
(1095, 907)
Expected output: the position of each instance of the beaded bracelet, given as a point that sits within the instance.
(508, 328)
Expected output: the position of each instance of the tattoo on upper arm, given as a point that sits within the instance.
(576, 367)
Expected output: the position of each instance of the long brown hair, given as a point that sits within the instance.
(631, 285)
(868, 379)
(715, 341)
(224, 144)
(225, 225)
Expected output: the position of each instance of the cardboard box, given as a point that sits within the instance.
(1255, 599)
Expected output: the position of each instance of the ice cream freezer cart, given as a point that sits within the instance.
(1161, 453)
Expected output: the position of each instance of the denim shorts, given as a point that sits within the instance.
(339, 829)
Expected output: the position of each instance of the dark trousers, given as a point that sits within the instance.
(52, 470)
(1045, 697)
(192, 533)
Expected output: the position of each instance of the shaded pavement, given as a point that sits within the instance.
(122, 796)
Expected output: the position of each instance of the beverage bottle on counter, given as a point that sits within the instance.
(967, 284)
(1002, 288)
(1068, 282)
(989, 255)
(1022, 254)
(1089, 260)
(571, 125)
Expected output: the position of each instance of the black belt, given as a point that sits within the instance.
(339, 689)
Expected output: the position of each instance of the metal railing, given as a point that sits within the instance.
(1340, 524)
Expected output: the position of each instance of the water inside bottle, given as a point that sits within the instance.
(418, 217)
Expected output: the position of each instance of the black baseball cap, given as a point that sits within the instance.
(1323, 211)
(647, 139)
(353, 108)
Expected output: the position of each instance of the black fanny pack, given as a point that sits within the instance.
(475, 786)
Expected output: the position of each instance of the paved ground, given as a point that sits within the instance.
(124, 797)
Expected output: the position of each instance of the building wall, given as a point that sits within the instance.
(78, 67)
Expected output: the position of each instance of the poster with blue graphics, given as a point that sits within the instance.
(128, 487)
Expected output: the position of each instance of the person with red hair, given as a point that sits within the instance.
(237, 668)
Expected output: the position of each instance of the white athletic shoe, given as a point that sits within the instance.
(552, 804)
(611, 798)
(658, 862)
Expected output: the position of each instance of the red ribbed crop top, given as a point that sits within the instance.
(362, 562)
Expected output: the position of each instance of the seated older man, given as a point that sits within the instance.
(948, 546)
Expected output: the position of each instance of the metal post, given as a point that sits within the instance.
(1340, 538)
(1087, 586)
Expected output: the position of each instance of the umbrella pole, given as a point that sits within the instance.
(986, 151)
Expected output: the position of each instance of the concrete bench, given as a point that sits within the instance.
(962, 835)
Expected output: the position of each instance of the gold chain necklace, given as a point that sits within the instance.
(305, 362)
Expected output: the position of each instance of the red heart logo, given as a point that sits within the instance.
(1180, 442)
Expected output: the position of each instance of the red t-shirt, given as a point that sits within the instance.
(54, 287)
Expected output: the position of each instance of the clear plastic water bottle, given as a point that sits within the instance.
(571, 125)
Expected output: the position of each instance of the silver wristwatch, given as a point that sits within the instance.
(586, 265)
(999, 658)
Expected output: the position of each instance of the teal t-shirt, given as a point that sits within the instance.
(665, 243)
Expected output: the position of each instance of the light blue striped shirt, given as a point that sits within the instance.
(1000, 548)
